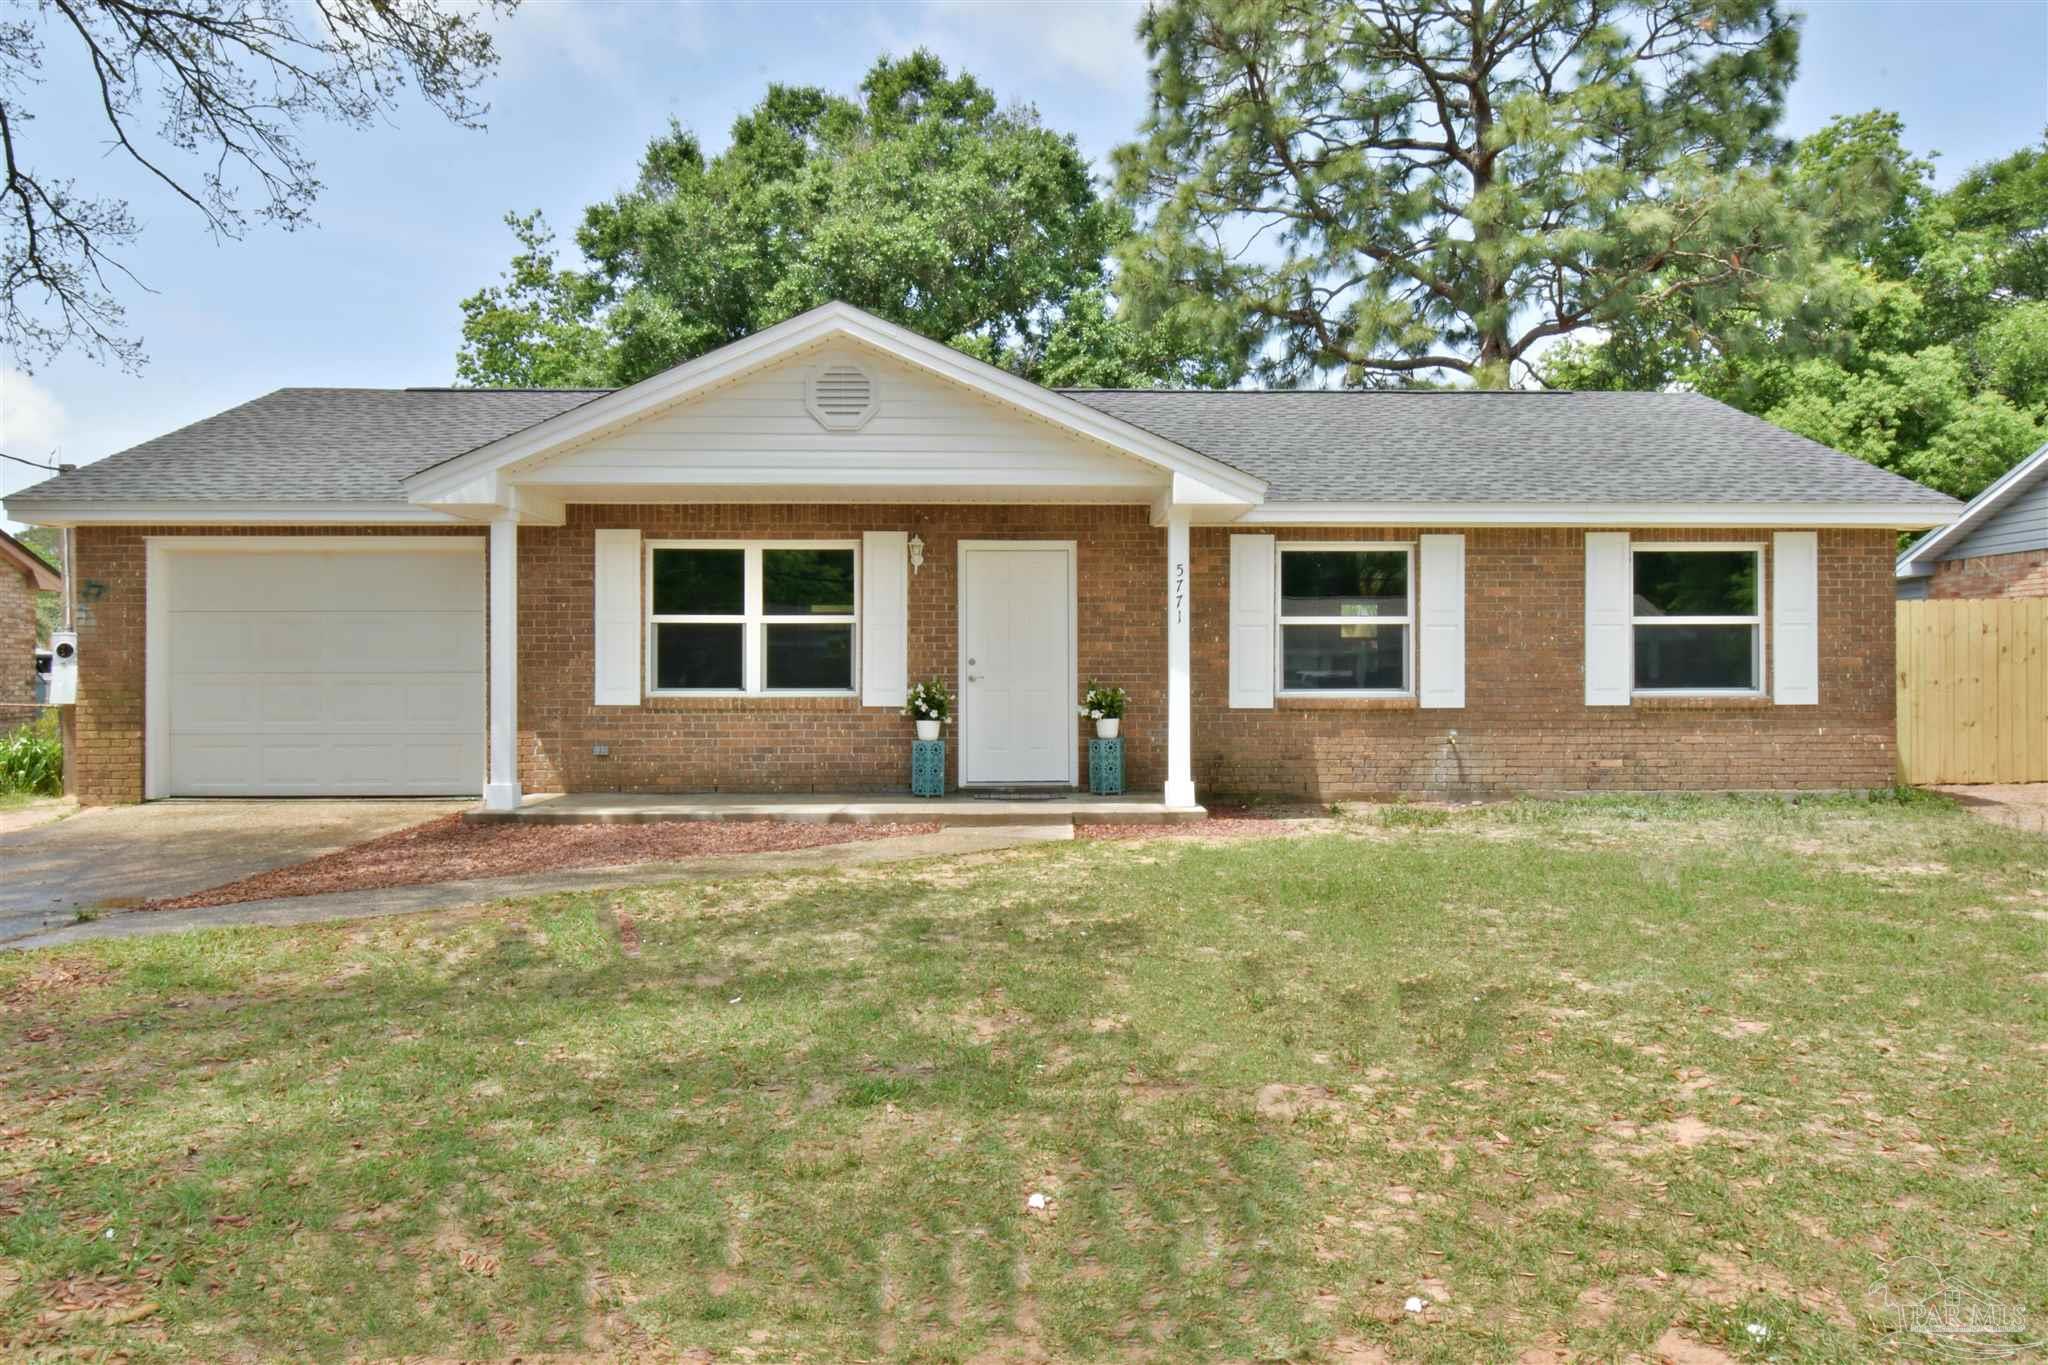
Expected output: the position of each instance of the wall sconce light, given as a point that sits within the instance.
(916, 553)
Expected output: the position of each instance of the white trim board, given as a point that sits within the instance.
(191, 512)
(156, 693)
(1789, 515)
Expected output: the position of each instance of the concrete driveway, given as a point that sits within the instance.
(107, 857)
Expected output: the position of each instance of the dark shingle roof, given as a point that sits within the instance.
(356, 445)
(1466, 446)
(310, 445)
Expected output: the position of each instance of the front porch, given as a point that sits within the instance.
(726, 577)
(956, 809)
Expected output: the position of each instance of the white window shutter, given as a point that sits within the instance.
(1795, 618)
(1610, 619)
(884, 618)
(617, 620)
(1253, 602)
(1441, 609)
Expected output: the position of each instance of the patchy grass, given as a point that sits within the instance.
(1602, 1079)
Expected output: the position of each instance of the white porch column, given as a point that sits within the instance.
(501, 792)
(1180, 768)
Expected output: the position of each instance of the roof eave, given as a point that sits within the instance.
(198, 512)
(1880, 516)
(1912, 563)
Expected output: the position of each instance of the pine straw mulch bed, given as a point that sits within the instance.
(450, 849)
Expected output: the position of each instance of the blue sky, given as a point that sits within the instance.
(410, 219)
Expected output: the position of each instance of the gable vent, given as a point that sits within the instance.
(841, 397)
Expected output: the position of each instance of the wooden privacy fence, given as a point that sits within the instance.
(1973, 690)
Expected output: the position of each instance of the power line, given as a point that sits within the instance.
(54, 469)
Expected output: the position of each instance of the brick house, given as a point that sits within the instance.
(725, 577)
(1997, 547)
(23, 574)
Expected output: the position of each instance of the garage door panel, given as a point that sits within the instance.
(325, 673)
(286, 580)
(210, 765)
(204, 643)
(199, 704)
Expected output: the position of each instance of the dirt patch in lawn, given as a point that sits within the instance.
(451, 849)
(1224, 822)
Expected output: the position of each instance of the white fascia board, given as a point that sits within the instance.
(2003, 489)
(142, 513)
(1889, 516)
(833, 321)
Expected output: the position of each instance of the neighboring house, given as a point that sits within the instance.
(23, 574)
(1998, 547)
(725, 576)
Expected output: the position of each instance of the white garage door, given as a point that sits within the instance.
(324, 672)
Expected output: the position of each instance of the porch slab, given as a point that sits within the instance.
(599, 808)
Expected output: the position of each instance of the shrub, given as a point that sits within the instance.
(32, 758)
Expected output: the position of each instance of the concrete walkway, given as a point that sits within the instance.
(106, 858)
(956, 808)
(404, 900)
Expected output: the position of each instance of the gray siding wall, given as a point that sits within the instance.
(2021, 524)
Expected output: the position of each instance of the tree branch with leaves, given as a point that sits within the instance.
(208, 98)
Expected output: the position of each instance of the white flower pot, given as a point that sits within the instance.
(1106, 728)
(928, 729)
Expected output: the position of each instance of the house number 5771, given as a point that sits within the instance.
(1180, 592)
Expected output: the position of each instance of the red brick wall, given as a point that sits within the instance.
(17, 642)
(818, 743)
(111, 615)
(1525, 725)
(2024, 573)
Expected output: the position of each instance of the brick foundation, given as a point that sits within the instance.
(2024, 573)
(1525, 726)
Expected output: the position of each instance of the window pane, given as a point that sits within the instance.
(697, 656)
(1343, 658)
(1343, 583)
(807, 582)
(700, 582)
(1691, 658)
(1695, 583)
(814, 658)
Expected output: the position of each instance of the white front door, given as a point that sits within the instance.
(1017, 662)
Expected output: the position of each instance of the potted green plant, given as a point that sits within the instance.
(930, 704)
(1105, 706)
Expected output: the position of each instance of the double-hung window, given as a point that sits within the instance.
(1698, 618)
(1346, 616)
(751, 617)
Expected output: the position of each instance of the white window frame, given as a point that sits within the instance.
(1281, 621)
(752, 620)
(1755, 621)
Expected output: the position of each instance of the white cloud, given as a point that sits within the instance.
(32, 421)
(32, 427)
(600, 41)
(1092, 38)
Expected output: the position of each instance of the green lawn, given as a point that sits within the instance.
(1592, 1079)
